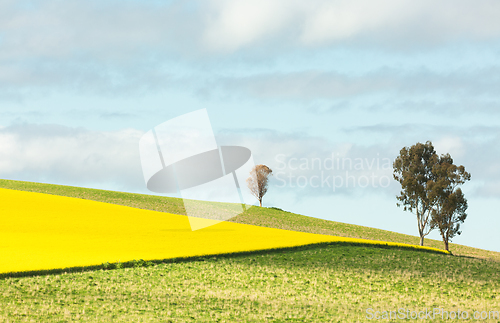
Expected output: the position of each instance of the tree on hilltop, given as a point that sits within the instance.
(258, 181)
(449, 212)
(429, 189)
(413, 170)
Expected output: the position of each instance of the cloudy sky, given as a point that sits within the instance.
(324, 92)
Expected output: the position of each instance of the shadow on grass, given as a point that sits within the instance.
(475, 258)
(142, 263)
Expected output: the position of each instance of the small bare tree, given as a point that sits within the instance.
(258, 181)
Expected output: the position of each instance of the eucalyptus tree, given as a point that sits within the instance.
(450, 211)
(429, 189)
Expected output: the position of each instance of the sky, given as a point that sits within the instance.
(325, 93)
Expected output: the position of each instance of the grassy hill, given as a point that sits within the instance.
(328, 283)
(265, 217)
(311, 284)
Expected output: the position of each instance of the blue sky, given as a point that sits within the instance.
(81, 81)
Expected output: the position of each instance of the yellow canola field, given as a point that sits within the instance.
(41, 231)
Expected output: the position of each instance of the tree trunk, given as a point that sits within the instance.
(445, 241)
(260, 202)
(421, 240)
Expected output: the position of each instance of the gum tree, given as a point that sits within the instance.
(449, 212)
(413, 170)
(429, 189)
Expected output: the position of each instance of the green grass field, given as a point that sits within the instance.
(310, 284)
(325, 283)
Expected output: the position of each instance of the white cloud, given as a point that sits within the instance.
(327, 21)
(59, 29)
(406, 89)
(450, 144)
(71, 156)
(235, 24)
(119, 30)
(133, 47)
(240, 23)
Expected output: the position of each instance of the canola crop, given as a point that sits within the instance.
(41, 231)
